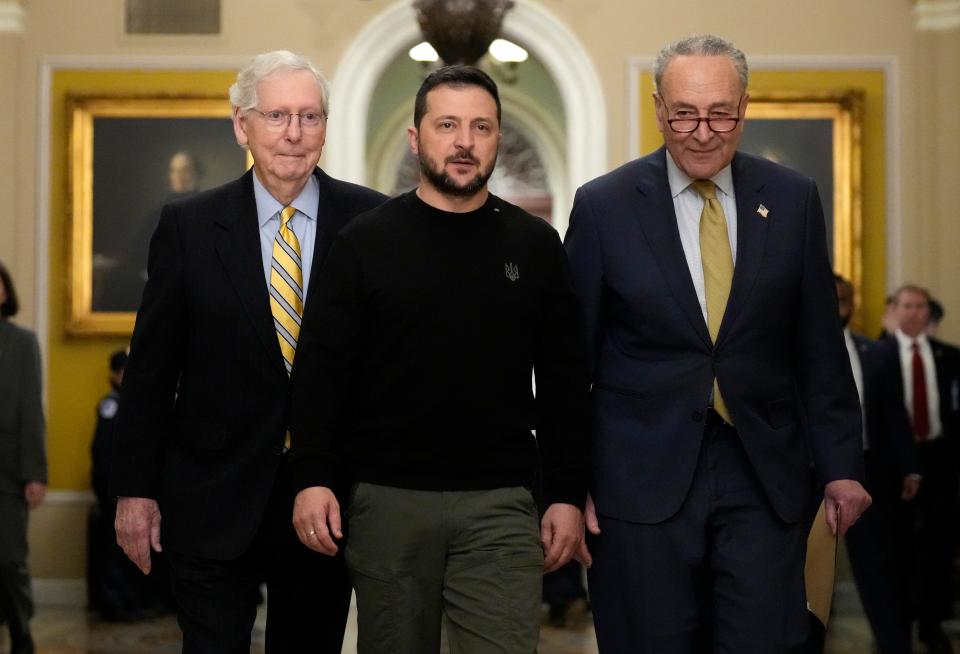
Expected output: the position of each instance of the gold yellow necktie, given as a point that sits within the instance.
(286, 287)
(717, 269)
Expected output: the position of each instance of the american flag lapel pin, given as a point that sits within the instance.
(763, 211)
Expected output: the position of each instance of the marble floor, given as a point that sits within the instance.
(74, 631)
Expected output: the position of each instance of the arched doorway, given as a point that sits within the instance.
(562, 55)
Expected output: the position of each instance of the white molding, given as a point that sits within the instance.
(61, 593)
(11, 17)
(358, 72)
(391, 32)
(69, 498)
(888, 64)
(937, 15)
(145, 62)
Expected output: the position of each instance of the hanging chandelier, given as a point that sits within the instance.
(461, 31)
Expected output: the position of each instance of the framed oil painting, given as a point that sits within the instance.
(128, 156)
(818, 134)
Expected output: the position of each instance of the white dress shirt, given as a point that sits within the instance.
(930, 373)
(688, 205)
(857, 369)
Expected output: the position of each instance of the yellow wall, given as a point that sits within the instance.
(77, 376)
(871, 83)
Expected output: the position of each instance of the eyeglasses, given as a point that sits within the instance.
(279, 120)
(719, 124)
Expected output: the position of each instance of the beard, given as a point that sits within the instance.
(437, 175)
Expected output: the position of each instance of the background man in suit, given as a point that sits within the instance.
(891, 474)
(718, 372)
(23, 463)
(930, 374)
(203, 410)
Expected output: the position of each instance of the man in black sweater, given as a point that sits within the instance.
(413, 390)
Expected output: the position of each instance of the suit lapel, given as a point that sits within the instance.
(238, 246)
(4, 336)
(751, 239)
(658, 220)
(329, 222)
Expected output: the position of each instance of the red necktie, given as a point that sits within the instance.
(921, 419)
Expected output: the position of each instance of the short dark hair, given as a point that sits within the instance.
(118, 361)
(937, 312)
(846, 283)
(11, 305)
(456, 76)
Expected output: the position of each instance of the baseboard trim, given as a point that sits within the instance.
(66, 593)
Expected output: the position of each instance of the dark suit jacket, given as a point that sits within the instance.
(204, 402)
(946, 359)
(779, 355)
(22, 452)
(892, 455)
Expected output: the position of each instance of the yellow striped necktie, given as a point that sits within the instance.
(717, 262)
(286, 287)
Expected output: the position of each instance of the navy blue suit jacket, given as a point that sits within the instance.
(779, 357)
(889, 437)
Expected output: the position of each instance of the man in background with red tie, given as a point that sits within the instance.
(203, 412)
(931, 385)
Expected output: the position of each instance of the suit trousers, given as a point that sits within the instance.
(724, 574)
(16, 598)
(308, 594)
(872, 548)
(928, 534)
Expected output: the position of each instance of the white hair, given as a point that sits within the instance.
(705, 45)
(243, 92)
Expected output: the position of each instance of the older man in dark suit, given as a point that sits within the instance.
(203, 417)
(718, 374)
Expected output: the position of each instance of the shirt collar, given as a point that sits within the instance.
(268, 206)
(679, 181)
(906, 342)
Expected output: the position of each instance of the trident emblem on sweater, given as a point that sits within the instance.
(511, 271)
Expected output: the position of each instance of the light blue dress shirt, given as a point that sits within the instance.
(303, 224)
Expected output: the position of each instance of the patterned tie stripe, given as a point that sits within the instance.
(717, 262)
(286, 287)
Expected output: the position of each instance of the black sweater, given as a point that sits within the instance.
(415, 358)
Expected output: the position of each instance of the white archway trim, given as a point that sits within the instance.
(891, 110)
(11, 16)
(539, 30)
(937, 14)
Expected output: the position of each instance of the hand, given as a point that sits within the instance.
(138, 529)
(313, 510)
(593, 526)
(561, 532)
(34, 493)
(846, 499)
(911, 486)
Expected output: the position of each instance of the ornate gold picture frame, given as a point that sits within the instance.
(820, 135)
(127, 157)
